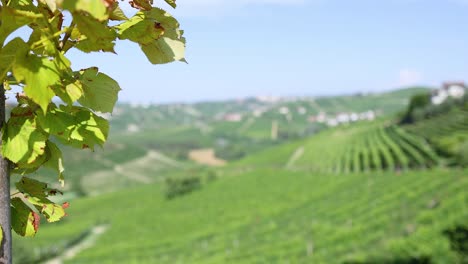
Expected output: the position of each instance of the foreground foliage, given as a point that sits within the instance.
(57, 104)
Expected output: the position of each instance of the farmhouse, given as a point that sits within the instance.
(448, 90)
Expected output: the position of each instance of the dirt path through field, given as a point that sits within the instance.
(87, 242)
(294, 157)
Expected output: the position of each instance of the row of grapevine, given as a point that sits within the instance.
(442, 125)
(363, 148)
(447, 134)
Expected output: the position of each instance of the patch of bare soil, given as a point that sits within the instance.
(206, 157)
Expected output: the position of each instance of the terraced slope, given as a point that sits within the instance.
(272, 216)
(364, 147)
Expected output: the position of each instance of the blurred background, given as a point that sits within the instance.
(318, 131)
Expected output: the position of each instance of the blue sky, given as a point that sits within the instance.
(297, 47)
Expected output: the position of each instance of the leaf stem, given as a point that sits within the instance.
(67, 35)
(57, 34)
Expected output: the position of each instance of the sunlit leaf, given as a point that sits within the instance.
(39, 74)
(22, 141)
(158, 34)
(75, 126)
(164, 50)
(117, 13)
(100, 92)
(96, 8)
(14, 18)
(140, 28)
(37, 193)
(92, 35)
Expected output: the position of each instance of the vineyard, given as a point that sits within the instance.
(272, 216)
(447, 132)
(376, 146)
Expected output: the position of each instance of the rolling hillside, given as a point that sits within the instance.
(272, 216)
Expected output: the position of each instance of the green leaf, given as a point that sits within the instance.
(1, 235)
(22, 141)
(35, 188)
(91, 129)
(24, 221)
(39, 74)
(14, 17)
(96, 8)
(69, 91)
(140, 29)
(57, 122)
(51, 211)
(75, 126)
(8, 55)
(93, 35)
(171, 3)
(164, 50)
(158, 34)
(37, 193)
(43, 40)
(169, 24)
(100, 92)
(117, 13)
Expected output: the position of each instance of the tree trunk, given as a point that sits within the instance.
(5, 213)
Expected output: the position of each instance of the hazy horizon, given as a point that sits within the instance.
(282, 96)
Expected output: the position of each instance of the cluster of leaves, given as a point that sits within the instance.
(58, 104)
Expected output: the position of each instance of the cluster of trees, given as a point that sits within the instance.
(420, 107)
(194, 180)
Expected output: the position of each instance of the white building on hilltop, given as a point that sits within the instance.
(448, 90)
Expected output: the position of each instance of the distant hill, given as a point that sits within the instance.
(233, 129)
